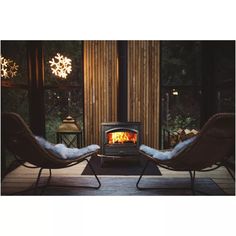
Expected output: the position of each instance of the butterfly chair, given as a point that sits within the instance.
(20, 141)
(211, 149)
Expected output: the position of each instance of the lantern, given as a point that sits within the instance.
(69, 133)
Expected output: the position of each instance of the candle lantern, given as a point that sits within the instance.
(69, 133)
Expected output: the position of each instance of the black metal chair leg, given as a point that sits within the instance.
(43, 187)
(80, 186)
(141, 175)
(48, 181)
(91, 167)
(76, 186)
(194, 191)
(192, 177)
(34, 188)
(37, 181)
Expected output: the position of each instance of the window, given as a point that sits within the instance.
(63, 97)
(180, 87)
(225, 76)
(14, 85)
(197, 81)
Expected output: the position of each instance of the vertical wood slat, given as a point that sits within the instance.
(100, 87)
(143, 88)
(101, 81)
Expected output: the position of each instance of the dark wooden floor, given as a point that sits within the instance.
(123, 186)
(217, 182)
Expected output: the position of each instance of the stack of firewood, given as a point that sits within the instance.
(181, 135)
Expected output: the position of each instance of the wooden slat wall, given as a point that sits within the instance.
(101, 84)
(143, 88)
(100, 87)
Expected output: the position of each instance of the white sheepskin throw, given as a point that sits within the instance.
(167, 155)
(61, 151)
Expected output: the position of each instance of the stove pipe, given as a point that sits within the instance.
(122, 47)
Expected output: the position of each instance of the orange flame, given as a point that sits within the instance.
(122, 137)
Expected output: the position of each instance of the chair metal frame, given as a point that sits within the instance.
(179, 163)
(20, 141)
(36, 186)
(192, 174)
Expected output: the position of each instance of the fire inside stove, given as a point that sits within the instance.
(122, 137)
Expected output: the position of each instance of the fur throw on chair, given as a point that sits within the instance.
(167, 155)
(61, 151)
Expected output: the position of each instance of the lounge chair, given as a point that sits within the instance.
(20, 141)
(211, 149)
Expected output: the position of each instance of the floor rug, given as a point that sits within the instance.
(121, 167)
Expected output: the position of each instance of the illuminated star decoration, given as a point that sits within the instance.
(8, 68)
(60, 66)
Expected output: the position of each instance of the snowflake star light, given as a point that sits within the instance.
(8, 68)
(60, 66)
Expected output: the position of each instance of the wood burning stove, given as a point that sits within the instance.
(121, 138)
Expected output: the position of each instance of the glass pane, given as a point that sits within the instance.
(121, 137)
(225, 76)
(180, 89)
(15, 100)
(180, 108)
(225, 62)
(70, 49)
(63, 97)
(226, 100)
(180, 112)
(58, 105)
(66, 96)
(14, 52)
(180, 63)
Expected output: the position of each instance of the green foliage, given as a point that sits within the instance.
(52, 125)
(180, 121)
(15, 100)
